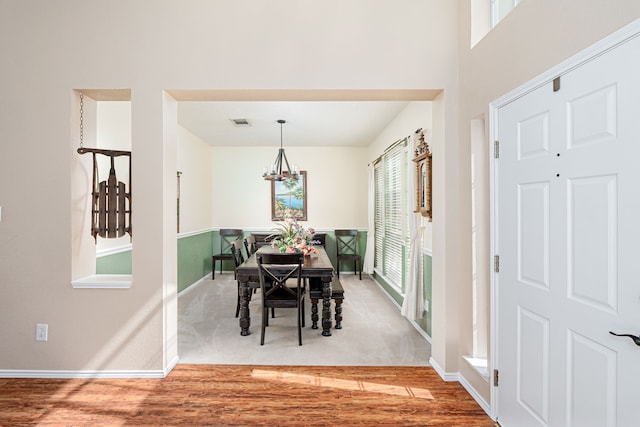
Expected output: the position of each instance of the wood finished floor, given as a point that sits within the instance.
(224, 395)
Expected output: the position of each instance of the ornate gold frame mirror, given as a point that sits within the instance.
(423, 176)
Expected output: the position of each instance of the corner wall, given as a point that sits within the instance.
(179, 45)
(532, 38)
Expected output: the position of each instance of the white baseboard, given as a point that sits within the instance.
(446, 376)
(193, 285)
(11, 373)
(458, 377)
(476, 396)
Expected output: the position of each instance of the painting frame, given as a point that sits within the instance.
(287, 195)
(423, 160)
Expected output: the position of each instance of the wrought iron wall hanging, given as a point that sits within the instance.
(110, 201)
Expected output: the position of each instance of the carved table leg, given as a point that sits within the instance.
(314, 313)
(245, 320)
(338, 315)
(326, 309)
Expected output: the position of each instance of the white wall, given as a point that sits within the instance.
(336, 186)
(51, 48)
(336, 178)
(113, 131)
(196, 184)
(532, 38)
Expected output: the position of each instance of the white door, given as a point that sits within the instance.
(568, 230)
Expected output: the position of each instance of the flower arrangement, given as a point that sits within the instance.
(291, 237)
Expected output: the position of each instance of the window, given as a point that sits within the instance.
(391, 231)
(479, 247)
(500, 9)
(485, 14)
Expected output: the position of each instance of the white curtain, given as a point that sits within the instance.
(370, 251)
(413, 304)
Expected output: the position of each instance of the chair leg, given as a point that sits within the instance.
(300, 319)
(238, 302)
(265, 319)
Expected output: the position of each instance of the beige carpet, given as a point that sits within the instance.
(373, 331)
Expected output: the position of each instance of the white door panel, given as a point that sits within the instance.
(568, 222)
(592, 397)
(533, 234)
(592, 242)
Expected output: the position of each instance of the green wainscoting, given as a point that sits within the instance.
(425, 320)
(330, 248)
(194, 263)
(195, 252)
(118, 263)
(194, 257)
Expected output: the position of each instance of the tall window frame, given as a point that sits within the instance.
(391, 210)
(500, 8)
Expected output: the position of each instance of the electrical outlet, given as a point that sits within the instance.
(42, 332)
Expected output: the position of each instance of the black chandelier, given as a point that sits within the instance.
(275, 172)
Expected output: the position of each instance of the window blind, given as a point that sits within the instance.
(390, 212)
(378, 175)
(393, 215)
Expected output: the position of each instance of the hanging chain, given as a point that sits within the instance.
(81, 120)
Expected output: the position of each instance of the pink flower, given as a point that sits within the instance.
(290, 250)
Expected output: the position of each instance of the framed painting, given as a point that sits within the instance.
(289, 194)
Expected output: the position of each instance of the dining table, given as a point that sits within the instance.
(317, 268)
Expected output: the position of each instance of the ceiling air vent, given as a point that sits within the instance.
(241, 122)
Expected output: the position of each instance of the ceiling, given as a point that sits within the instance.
(308, 123)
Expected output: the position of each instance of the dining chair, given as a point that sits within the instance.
(282, 286)
(319, 239)
(250, 245)
(347, 250)
(238, 258)
(227, 236)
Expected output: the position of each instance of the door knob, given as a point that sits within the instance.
(633, 337)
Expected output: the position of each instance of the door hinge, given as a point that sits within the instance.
(496, 263)
(496, 149)
(495, 378)
(556, 84)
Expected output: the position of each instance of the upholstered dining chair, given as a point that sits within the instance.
(227, 236)
(347, 250)
(282, 286)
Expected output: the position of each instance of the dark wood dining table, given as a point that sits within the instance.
(317, 268)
